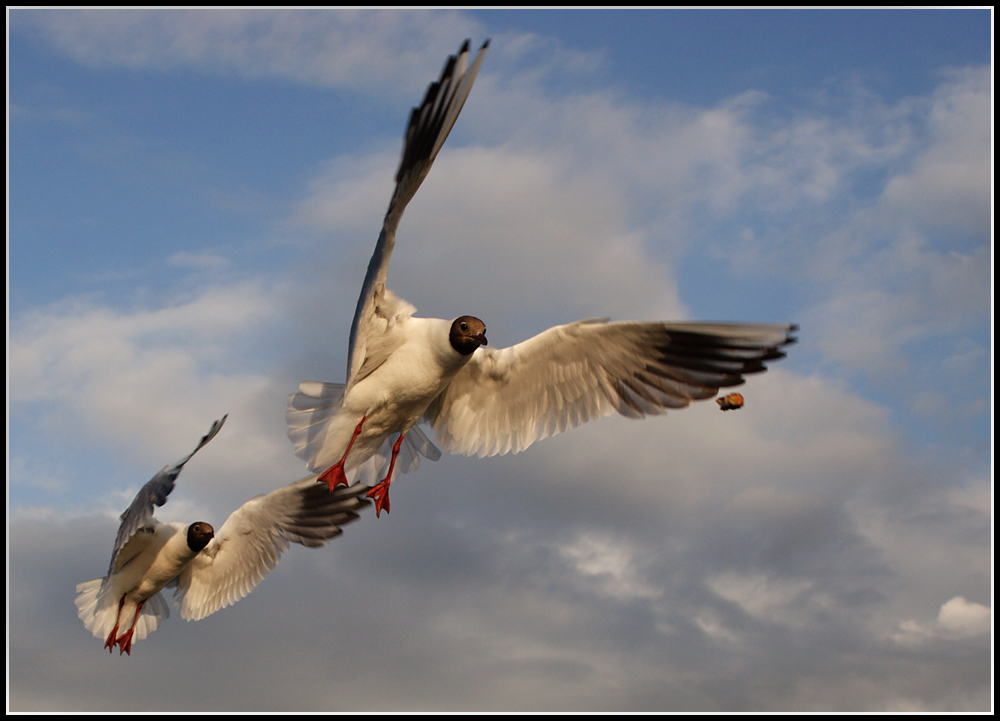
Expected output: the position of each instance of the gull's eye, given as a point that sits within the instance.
(464, 326)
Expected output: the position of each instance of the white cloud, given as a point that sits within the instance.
(150, 380)
(712, 626)
(343, 48)
(957, 619)
(58, 350)
(933, 531)
(963, 618)
(916, 264)
(498, 233)
(611, 564)
(948, 183)
(976, 496)
(795, 441)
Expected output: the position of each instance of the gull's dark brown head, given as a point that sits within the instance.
(467, 334)
(199, 534)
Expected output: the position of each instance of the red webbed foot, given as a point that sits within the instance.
(334, 475)
(110, 643)
(380, 494)
(125, 640)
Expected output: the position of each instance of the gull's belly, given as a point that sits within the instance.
(398, 392)
(146, 575)
(159, 563)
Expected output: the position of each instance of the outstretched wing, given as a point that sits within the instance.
(251, 541)
(154, 492)
(505, 400)
(429, 126)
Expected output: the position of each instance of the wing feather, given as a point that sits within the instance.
(505, 400)
(140, 512)
(251, 541)
(426, 132)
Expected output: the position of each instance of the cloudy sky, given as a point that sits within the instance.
(193, 199)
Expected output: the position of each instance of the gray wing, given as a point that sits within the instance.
(154, 492)
(428, 128)
(251, 541)
(505, 400)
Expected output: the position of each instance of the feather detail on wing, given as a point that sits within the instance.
(381, 333)
(251, 541)
(505, 400)
(154, 492)
(428, 128)
(134, 546)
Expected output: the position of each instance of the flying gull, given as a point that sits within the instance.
(208, 570)
(403, 370)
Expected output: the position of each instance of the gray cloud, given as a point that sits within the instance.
(464, 598)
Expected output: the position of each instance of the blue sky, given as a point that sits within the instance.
(193, 198)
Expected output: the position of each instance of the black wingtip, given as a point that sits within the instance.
(216, 427)
(425, 130)
(485, 45)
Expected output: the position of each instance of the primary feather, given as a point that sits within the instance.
(505, 400)
(251, 541)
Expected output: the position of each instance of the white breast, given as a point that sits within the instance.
(163, 558)
(396, 394)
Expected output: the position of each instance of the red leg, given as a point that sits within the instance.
(380, 492)
(334, 475)
(110, 643)
(125, 640)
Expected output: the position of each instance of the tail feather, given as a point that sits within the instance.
(309, 414)
(99, 611)
(155, 609)
(422, 444)
(313, 414)
(93, 615)
(373, 469)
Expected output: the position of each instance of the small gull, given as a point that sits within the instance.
(208, 570)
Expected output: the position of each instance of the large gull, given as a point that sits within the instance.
(403, 370)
